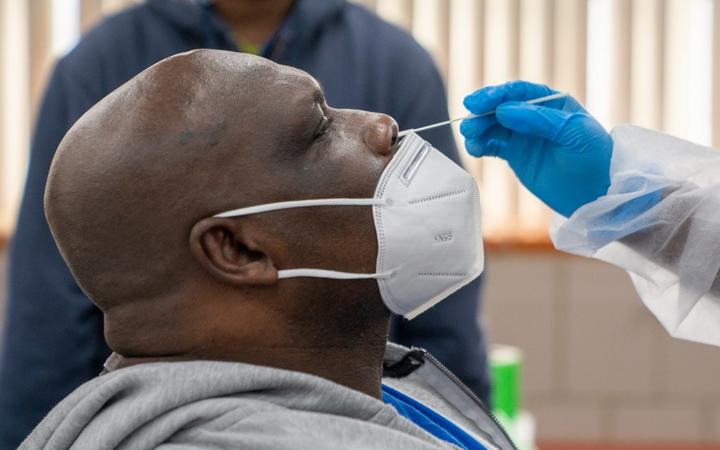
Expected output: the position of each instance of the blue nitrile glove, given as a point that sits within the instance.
(556, 149)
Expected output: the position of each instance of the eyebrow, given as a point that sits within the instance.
(319, 93)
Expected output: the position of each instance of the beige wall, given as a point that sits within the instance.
(598, 365)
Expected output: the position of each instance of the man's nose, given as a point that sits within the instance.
(380, 134)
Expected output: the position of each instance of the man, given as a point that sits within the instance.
(641, 200)
(212, 348)
(53, 335)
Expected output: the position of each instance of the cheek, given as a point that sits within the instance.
(339, 166)
(333, 237)
(349, 169)
(353, 244)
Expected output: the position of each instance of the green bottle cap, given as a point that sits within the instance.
(506, 369)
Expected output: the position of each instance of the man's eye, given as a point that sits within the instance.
(322, 127)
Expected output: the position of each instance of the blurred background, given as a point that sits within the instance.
(599, 371)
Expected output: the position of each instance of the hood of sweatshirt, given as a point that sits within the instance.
(210, 404)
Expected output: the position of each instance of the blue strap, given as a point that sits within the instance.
(429, 420)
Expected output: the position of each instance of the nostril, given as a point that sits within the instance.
(378, 137)
(380, 133)
(395, 130)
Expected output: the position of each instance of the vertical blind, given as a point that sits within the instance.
(655, 63)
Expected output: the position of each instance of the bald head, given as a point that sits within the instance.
(155, 153)
(135, 183)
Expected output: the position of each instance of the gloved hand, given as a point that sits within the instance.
(556, 149)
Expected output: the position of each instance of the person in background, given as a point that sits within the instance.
(53, 336)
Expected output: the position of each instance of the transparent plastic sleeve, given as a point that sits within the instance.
(660, 221)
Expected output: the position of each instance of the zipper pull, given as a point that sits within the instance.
(407, 365)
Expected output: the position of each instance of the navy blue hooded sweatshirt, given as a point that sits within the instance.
(53, 336)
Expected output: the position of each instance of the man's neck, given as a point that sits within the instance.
(357, 367)
(344, 344)
(253, 21)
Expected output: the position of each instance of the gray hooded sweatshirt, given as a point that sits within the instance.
(227, 405)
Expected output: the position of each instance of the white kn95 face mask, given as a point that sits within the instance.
(427, 222)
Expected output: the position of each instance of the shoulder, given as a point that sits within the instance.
(386, 40)
(112, 47)
(390, 67)
(112, 33)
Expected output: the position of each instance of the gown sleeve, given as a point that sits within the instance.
(660, 221)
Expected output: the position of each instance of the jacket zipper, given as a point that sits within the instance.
(463, 387)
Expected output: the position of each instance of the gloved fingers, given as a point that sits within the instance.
(533, 120)
(481, 147)
(488, 98)
(494, 142)
(474, 128)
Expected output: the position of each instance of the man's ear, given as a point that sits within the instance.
(229, 253)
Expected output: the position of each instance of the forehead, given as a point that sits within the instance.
(290, 99)
(279, 90)
(297, 81)
(276, 107)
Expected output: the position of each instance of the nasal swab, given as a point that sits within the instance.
(547, 98)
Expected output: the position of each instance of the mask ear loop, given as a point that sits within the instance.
(314, 273)
(321, 273)
(301, 204)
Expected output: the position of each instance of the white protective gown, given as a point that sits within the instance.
(660, 221)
